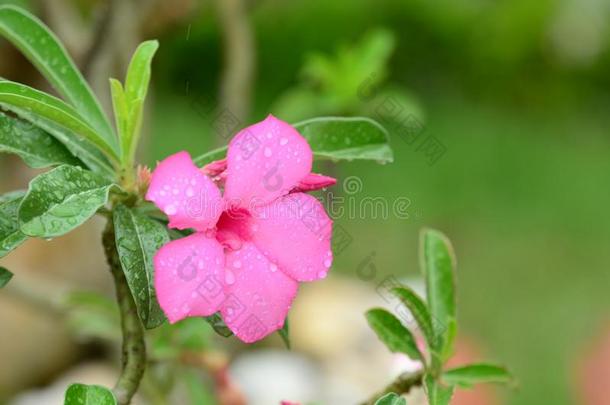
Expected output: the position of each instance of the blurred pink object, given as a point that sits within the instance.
(593, 371)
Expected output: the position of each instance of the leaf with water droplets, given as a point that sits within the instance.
(36, 147)
(77, 145)
(60, 200)
(41, 104)
(347, 138)
(137, 240)
(81, 394)
(10, 235)
(334, 138)
(5, 276)
(45, 51)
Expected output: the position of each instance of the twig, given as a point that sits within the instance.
(236, 84)
(401, 385)
(134, 348)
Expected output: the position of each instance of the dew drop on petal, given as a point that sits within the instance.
(322, 274)
(171, 209)
(283, 141)
(237, 264)
(268, 152)
(327, 263)
(273, 267)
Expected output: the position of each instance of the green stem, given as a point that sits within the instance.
(401, 385)
(134, 348)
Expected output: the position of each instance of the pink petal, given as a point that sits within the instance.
(294, 231)
(258, 294)
(188, 197)
(189, 274)
(264, 162)
(215, 168)
(314, 181)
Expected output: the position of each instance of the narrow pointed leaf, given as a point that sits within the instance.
(418, 309)
(134, 95)
(472, 374)
(36, 147)
(5, 276)
(138, 238)
(10, 234)
(285, 334)
(334, 138)
(437, 393)
(53, 109)
(45, 51)
(438, 265)
(392, 333)
(77, 145)
(391, 399)
(60, 200)
(81, 394)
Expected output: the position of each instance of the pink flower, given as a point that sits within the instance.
(252, 245)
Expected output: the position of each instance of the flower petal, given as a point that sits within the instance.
(294, 231)
(188, 197)
(264, 162)
(189, 275)
(314, 181)
(258, 294)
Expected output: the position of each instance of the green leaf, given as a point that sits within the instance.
(218, 325)
(467, 376)
(5, 276)
(53, 109)
(419, 310)
(392, 333)
(334, 138)
(347, 138)
(284, 333)
(129, 102)
(437, 393)
(438, 264)
(77, 145)
(391, 399)
(60, 200)
(10, 234)
(36, 147)
(81, 394)
(45, 51)
(138, 238)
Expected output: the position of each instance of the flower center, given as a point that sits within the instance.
(233, 228)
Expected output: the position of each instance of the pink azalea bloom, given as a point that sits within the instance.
(254, 242)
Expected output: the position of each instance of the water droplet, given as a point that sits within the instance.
(171, 209)
(190, 192)
(283, 141)
(268, 152)
(237, 264)
(327, 263)
(273, 267)
(322, 274)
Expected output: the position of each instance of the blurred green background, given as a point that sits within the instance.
(518, 94)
